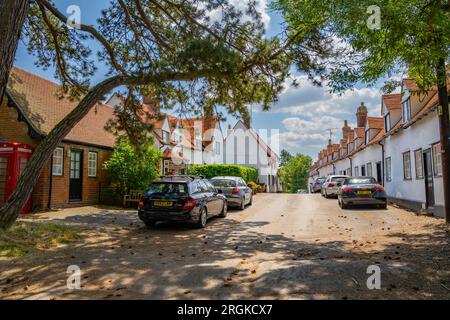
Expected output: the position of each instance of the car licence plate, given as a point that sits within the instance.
(364, 192)
(162, 203)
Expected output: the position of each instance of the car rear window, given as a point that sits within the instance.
(224, 183)
(360, 181)
(322, 180)
(338, 179)
(167, 188)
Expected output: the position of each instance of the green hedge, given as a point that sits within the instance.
(212, 170)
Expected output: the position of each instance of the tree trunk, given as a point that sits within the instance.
(12, 17)
(11, 209)
(444, 120)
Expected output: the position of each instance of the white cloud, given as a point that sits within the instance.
(242, 6)
(309, 100)
(311, 110)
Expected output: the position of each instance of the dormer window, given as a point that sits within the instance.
(406, 110)
(165, 137)
(367, 136)
(387, 122)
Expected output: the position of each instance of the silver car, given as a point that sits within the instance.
(332, 185)
(235, 189)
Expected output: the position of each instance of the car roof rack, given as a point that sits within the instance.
(178, 176)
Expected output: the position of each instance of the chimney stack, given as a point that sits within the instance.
(345, 130)
(361, 115)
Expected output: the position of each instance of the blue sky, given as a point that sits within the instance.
(302, 115)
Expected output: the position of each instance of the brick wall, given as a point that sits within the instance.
(91, 185)
(13, 130)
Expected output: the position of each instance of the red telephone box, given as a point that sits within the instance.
(14, 156)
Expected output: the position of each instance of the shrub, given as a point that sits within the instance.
(212, 170)
(132, 170)
(254, 186)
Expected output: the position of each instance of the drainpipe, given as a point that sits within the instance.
(382, 161)
(50, 186)
(351, 165)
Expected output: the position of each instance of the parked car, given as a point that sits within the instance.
(316, 185)
(332, 185)
(181, 198)
(361, 191)
(235, 189)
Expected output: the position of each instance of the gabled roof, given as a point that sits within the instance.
(375, 123)
(392, 101)
(359, 132)
(258, 139)
(351, 136)
(36, 98)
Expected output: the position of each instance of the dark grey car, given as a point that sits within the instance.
(361, 191)
(235, 189)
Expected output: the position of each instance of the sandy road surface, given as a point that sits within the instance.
(283, 247)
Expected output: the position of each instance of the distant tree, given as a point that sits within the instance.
(285, 156)
(294, 174)
(385, 37)
(133, 169)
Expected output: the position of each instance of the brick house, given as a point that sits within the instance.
(74, 175)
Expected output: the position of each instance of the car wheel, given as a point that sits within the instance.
(242, 206)
(325, 194)
(384, 206)
(202, 219)
(342, 205)
(224, 212)
(251, 200)
(150, 223)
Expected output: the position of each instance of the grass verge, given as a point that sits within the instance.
(25, 237)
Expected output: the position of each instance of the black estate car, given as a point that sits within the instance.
(235, 189)
(181, 198)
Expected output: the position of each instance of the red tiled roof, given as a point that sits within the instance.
(351, 135)
(392, 101)
(37, 99)
(359, 131)
(375, 122)
(335, 147)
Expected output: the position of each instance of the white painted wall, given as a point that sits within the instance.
(371, 154)
(422, 135)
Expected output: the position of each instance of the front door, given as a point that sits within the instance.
(379, 178)
(4, 178)
(76, 175)
(429, 183)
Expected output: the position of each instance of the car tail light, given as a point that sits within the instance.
(317, 183)
(331, 185)
(347, 190)
(141, 204)
(189, 205)
(235, 190)
(379, 188)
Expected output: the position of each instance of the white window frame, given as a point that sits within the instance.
(387, 122)
(406, 156)
(58, 168)
(356, 171)
(437, 159)
(369, 171)
(388, 169)
(92, 164)
(418, 160)
(406, 110)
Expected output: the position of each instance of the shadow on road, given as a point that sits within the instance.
(120, 258)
